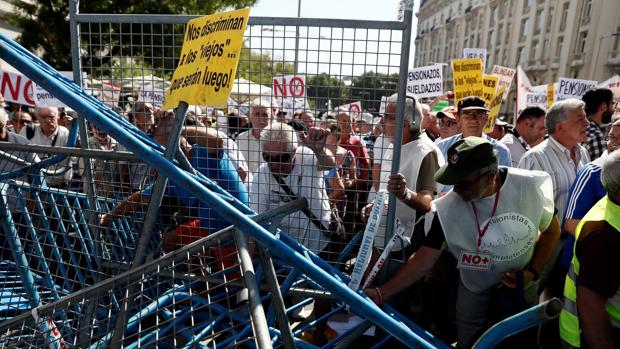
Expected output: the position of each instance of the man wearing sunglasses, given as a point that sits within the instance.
(498, 223)
(292, 171)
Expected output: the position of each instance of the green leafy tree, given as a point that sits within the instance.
(370, 87)
(45, 28)
(322, 88)
(259, 67)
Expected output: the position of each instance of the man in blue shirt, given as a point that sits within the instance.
(472, 115)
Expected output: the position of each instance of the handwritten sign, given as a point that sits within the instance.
(425, 81)
(489, 87)
(494, 106)
(476, 53)
(208, 62)
(506, 75)
(573, 88)
(467, 75)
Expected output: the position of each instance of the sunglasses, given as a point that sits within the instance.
(281, 158)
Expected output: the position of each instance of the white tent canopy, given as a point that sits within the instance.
(244, 91)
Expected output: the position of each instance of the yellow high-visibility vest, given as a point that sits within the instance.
(570, 331)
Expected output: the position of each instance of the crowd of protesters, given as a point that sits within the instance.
(521, 199)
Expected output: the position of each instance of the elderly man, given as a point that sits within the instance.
(19, 120)
(561, 156)
(413, 185)
(291, 171)
(591, 314)
(529, 131)
(489, 204)
(354, 144)
(472, 115)
(249, 141)
(49, 132)
(133, 174)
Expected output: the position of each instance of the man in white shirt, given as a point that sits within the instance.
(248, 142)
(561, 157)
(49, 132)
(529, 131)
(300, 169)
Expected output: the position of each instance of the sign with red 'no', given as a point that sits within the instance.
(289, 86)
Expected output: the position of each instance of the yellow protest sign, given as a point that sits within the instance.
(494, 105)
(467, 74)
(550, 94)
(208, 63)
(489, 87)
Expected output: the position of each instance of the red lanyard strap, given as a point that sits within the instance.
(483, 231)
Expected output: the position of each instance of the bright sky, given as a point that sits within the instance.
(385, 10)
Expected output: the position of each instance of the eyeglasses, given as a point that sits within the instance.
(25, 122)
(446, 123)
(611, 138)
(281, 158)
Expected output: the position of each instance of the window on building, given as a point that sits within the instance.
(499, 34)
(527, 5)
(490, 38)
(524, 28)
(558, 50)
(545, 49)
(550, 17)
(586, 11)
(564, 16)
(520, 55)
(581, 42)
(507, 32)
(493, 16)
(540, 20)
(534, 50)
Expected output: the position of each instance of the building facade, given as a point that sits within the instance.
(549, 39)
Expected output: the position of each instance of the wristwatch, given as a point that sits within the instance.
(534, 272)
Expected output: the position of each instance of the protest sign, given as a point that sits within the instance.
(476, 53)
(494, 106)
(151, 95)
(550, 95)
(208, 63)
(17, 88)
(489, 87)
(425, 81)
(573, 88)
(290, 92)
(467, 75)
(42, 98)
(505, 77)
(355, 109)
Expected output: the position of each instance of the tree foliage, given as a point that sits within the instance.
(370, 87)
(45, 24)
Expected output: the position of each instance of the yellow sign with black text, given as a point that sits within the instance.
(494, 105)
(489, 87)
(467, 74)
(208, 63)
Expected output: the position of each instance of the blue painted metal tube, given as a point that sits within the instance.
(520, 322)
(62, 89)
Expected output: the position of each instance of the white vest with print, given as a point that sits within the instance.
(525, 206)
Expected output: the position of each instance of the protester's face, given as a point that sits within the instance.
(389, 120)
(307, 119)
(21, 119)
(447, 127)
(535, 131)
(279, 157)
(608, 113)
(48, 119)
(144, 117)
(574, 128)
(344, 124)
(472, 122)
(331, 142)
(473, 187)
(260, 117)
(613, 139)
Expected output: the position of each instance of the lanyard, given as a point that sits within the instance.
(483, 231)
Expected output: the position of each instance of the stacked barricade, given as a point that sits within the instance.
(103, 263)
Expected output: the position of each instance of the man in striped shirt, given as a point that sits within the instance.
(561, 156)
